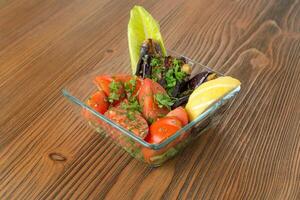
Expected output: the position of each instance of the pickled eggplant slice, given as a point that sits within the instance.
(168, 61)
(149, 49)
(146, 67)
(179, 88)
(180, 101)
(158, 49)
(198, 79)
(144, 49)
(162, 82)
(139, 67)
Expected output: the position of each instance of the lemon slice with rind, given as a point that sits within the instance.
(208, 93)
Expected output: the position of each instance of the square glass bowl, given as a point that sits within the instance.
(153, 154)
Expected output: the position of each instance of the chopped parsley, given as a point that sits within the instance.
(155, 62)
(163, 100)
(150, 120)
(114, 88)
(132, 106)
(157, 73)
(130, 115)
(177, 62)
(174, 75)
(157, 68)
(171, 72)
(130, 87)
(170, 80)
(179, 75)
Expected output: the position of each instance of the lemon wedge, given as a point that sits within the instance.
(208, 93)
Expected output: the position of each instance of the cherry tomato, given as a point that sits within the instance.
(159, 131)
(127, 85)
(150, 109)
(98, 101)
(103, 82)
(106, 83)
(180, 114)
(132, 85)
(163, 128)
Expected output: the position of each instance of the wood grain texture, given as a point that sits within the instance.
(46, 152)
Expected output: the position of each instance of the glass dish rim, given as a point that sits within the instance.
(163, 144)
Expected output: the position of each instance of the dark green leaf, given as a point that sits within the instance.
(163, 100)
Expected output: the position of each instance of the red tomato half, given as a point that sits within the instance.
(104, 83)
(180, 114)
(138, 125)
(133, 83)
(98, 101)
(150, 109)
(162, 129)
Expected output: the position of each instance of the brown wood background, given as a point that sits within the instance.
(46, 152)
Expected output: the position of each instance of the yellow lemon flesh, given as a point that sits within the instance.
(208, 93)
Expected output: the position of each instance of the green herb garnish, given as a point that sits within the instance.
(130, 115)
(130, 87)
(132, 105)
(157, 68)
(150, 120)
(177, 62)
(174, 75)
(157, 73)
(114, 88)
(113, 97)
(155, 62)
(171, 81)
(179, 75)
(163, 100)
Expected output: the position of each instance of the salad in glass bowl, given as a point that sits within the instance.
(166, 102)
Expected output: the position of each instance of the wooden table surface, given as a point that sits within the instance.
(46, 152)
